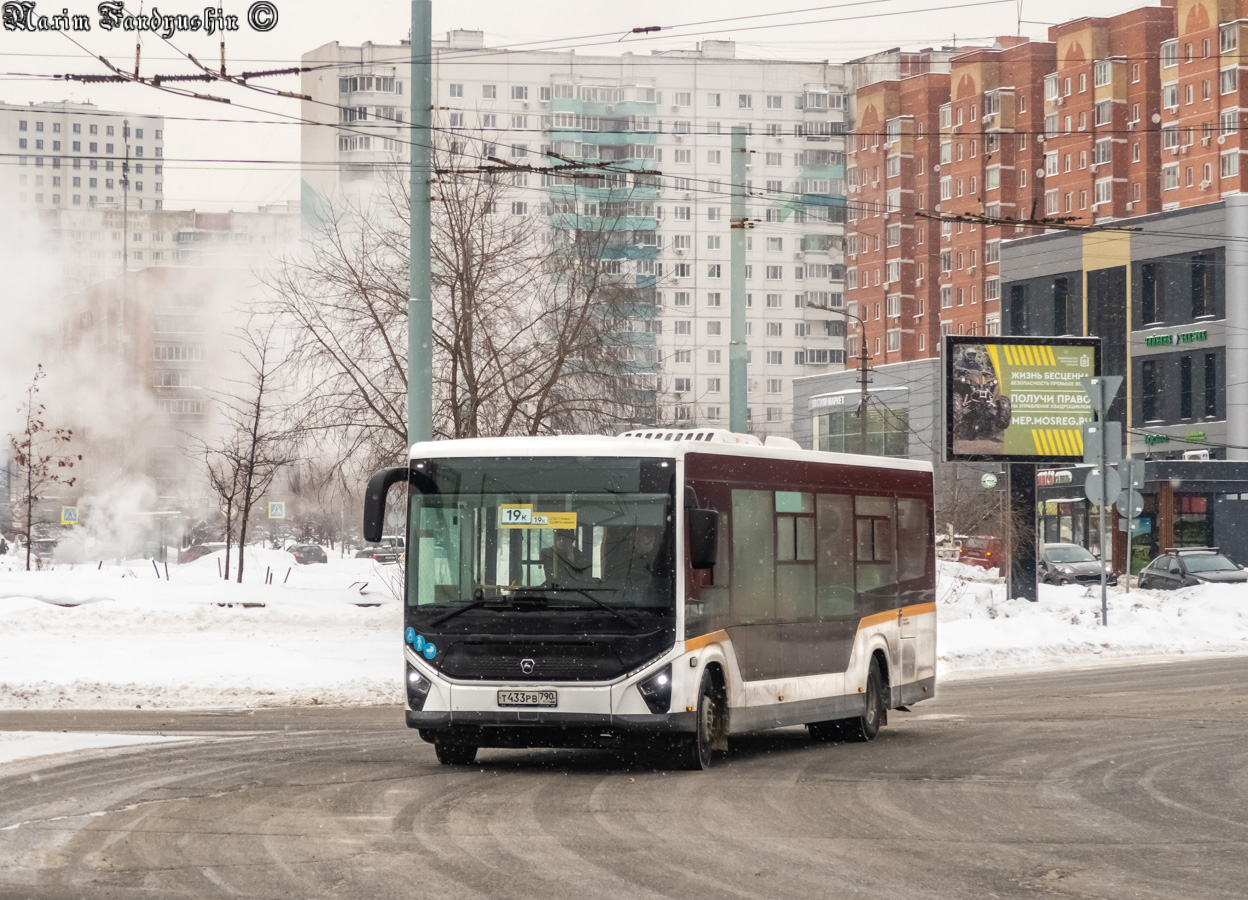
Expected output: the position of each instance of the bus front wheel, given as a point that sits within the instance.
(696, 750)
(454, 754)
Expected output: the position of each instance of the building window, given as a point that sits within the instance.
(1170, 178)
(745, 101)
(1185, 387)
(1170, 95)
(1228, 38)
(1202, 285)
(1228, 81)
(489, 91)
(1148, 390)
(1229, 166)
(1150, 292)
(1211, 385)
(775, 357)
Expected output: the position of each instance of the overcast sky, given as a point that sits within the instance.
(861, 27)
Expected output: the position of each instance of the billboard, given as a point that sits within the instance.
(1017, 399)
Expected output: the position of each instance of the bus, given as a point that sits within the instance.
(662, 588)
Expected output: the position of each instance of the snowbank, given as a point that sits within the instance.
(120, 636)
(981, 631)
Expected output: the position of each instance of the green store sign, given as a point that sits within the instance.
(1169, 340)
(1152, 439)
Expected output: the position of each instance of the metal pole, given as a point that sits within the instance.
(420, 299)
(862, 381)
(738, 409)
(1100, 507)
(1130, 520)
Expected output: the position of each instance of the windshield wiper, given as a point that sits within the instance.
(585, 592)
(478, 601)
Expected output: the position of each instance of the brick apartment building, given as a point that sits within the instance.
(1112, 118)
(893, 254)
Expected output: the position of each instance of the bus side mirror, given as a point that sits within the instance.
(703, 537)
(375, 501)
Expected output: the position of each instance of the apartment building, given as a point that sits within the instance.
(892, 252)
(662, 123)
(90, 242)
(1101, 145)
(71, 155)
(1203, 99)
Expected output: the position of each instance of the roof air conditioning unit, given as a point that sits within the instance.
(799, 255)
(1204, 141)
(1184, 150)
(610, 107)
(1195, 454)
(679, 139)
(1204, 185)
(1175, 150)
(1130, 206)
(543, 102)
(675, 109)
(1130, 126)
(525, 104)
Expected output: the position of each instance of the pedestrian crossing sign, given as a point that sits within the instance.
(277, 509)
(69, 515)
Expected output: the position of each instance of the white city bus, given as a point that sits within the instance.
(665, 587)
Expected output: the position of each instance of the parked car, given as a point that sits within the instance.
(305, 554)
(198, 551)
(1187, 566)
(1071, 564)
(983, 551)
(382, 553)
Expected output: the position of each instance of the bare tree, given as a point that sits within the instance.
(219, 461)
(257, 443)
(39, 451)
(532, 315)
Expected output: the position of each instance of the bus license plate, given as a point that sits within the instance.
(527, 698)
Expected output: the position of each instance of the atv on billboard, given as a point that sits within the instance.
(1017, 399)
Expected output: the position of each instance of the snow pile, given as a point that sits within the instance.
(119, 636)
(980, 630)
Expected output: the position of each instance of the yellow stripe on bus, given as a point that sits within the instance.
(884, 617)
(705, 640)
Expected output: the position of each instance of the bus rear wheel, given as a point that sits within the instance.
(860, 728)
(450, 754)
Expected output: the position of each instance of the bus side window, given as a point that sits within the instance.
(834, 518)
(753, 556)
(795, 556)
(873, 533)
(914, 539)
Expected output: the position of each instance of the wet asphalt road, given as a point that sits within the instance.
(1117, 783)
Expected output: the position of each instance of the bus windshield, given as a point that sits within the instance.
(562, 533)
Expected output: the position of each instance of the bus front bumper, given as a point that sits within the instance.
(506, 728)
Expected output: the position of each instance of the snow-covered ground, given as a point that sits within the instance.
(120, 636)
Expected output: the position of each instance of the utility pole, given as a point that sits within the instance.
(863, 381)
(738, 408)
(420, 173)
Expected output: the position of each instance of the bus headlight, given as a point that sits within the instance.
(657, 690)
(417, 689)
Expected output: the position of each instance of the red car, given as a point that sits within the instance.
(986, 552)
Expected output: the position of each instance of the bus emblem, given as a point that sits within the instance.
(527, 666)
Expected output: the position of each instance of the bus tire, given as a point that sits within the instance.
(696, 750)
(865, 727)
(453, 754)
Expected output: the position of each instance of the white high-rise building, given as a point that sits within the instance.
(669, 112)
(67, 155)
